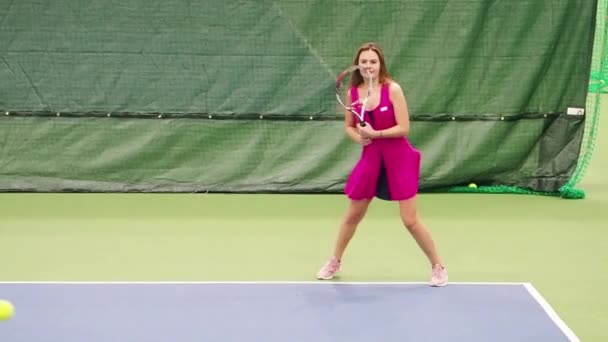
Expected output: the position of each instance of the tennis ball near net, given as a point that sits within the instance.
(6, 310)
(472, 185)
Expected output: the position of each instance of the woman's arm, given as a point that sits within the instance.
(351, 130)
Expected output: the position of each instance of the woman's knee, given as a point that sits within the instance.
(409, 213)
(356, 212)
(410, 220)
(355, 216)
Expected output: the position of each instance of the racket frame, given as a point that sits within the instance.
(365, 74)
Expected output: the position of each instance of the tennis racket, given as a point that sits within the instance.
(342, 90)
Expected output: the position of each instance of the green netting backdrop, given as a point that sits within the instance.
(236, 96)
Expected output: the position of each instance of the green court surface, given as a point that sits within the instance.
(558, 245)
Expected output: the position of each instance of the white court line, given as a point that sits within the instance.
(551, 313)
(252, 282)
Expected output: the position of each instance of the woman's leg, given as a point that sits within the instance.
(355, 213)
(409, 215)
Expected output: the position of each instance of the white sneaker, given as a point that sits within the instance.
(328, 270)
(440, 276)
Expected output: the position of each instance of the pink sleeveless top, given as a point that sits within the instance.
(389, 168)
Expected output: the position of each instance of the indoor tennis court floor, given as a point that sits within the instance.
(279, 311)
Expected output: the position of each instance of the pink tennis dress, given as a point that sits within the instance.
(389, 168)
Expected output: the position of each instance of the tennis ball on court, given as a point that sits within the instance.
(6, 310)
(472, 185)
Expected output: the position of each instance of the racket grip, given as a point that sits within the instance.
(362, 123)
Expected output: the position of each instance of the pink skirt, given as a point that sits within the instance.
(388, 169)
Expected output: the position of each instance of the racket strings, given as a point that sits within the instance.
(359, 106)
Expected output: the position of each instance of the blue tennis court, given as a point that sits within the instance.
(278, 311)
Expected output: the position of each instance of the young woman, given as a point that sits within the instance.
(389, 166)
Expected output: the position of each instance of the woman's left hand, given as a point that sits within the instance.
(367, 131)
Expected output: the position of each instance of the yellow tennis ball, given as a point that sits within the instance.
(472, 185)
(6, 310)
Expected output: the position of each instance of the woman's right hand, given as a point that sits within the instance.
(364, 141)
(356, 137)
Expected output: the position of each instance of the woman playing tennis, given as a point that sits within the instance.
(389, 166)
